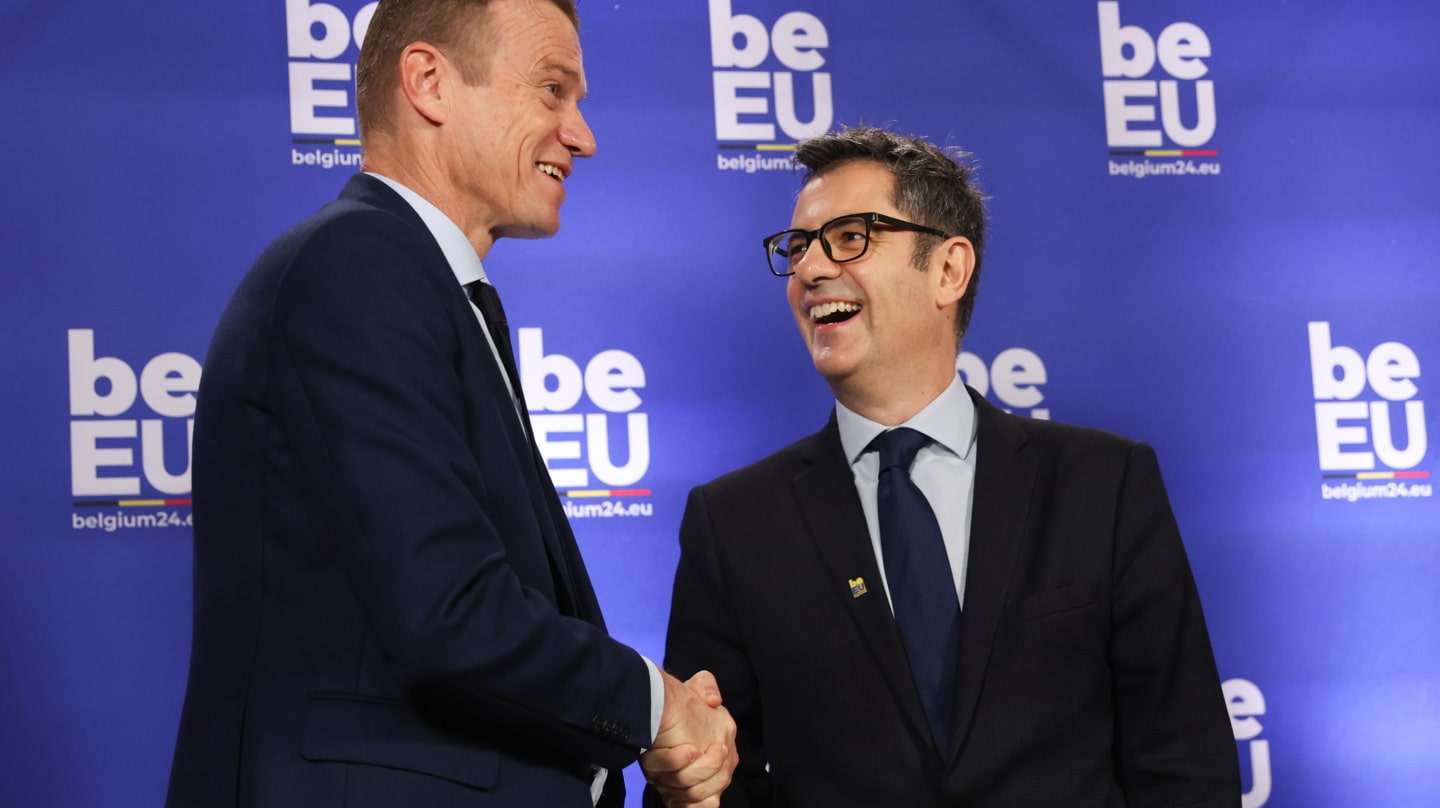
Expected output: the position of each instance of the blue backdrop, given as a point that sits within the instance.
(1214, 229)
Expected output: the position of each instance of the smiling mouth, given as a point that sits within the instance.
(553, 171)
(836, 312)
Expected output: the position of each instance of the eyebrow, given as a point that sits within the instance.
(569, 72)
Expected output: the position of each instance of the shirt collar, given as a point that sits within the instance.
(949, 420)
(458, 250)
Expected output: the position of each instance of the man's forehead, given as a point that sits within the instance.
(853, 186)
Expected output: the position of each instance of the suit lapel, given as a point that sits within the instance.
(825, 495)
(1004, 485)
(573, 591)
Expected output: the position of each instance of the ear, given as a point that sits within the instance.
(956, 262)
(425, 79)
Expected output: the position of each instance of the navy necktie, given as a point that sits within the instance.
(922, 588)
(487, 300)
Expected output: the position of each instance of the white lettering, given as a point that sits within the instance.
(1181, 46)
(797, 40)
(723, 30)
(1245, 701)
(638, 455)
(87, 458)
(164, 377)
(1119, 113)
(730, 105)
(152, 445)
(305, 98)
(362, 22)
(1016, 372)
(1113, 39)
(532, 358)
(167, 383)
(1332, 436)
(1180, 50)
(1385, 449)
(1324, 359)
(1259, 792)
(610, 379)
(543, 426)
(973, 372)
(1204, 128)
(1389, 368)
(785, 115)
(300, 20)
(86, 370)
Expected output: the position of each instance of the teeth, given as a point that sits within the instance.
(551, 170)
(827, 309)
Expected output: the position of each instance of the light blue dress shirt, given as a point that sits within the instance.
(944, 470)
(465, 263)
(460, 254)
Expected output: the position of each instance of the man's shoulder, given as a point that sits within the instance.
(774, 468)
(1057, 442)
(362, 215)
(368, 231)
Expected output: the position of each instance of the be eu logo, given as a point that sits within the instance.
(323, 43)
(1015, 376)
(1246, 703)
(1369, 419)
(130, 437)
(753, 98)
(1157, 78)
(596, 460)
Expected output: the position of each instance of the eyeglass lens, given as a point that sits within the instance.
(845, 240)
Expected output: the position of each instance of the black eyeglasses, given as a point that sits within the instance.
(844, 238)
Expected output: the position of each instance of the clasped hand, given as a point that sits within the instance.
(694, 755)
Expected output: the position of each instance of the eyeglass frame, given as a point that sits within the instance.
(811, 236)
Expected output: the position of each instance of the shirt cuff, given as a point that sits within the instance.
(657, 696)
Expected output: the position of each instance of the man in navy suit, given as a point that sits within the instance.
(390, 608)
(931, 602)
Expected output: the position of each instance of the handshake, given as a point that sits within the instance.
(694, 754)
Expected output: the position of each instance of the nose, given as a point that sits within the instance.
(814, 266)
(575, 134)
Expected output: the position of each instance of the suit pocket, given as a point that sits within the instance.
(347, 728)
(1064, 599)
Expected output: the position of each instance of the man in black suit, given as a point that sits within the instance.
(390, 608)
(931, 602)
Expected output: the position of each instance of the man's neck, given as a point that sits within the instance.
(417, 177)
(894, 404)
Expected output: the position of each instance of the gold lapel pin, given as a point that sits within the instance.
(857, 587)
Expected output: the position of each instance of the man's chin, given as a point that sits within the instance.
(834, 369)
(531, 230)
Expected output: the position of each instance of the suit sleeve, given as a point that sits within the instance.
(1173, 738)
(363, 353)
(704, 635)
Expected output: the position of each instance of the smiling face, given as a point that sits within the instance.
(512, 139)
(879, 330)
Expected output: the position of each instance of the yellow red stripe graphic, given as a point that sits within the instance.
(1380, 475)
(129, 503)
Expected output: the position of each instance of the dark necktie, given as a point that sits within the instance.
(922, 588)
(485, 298)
